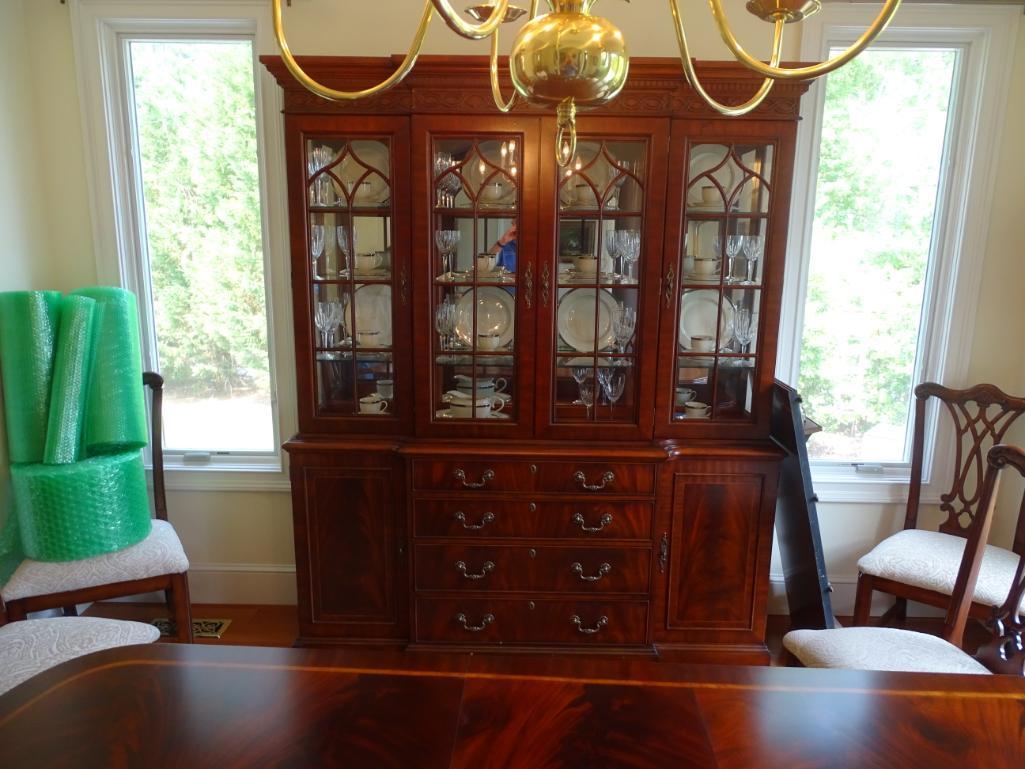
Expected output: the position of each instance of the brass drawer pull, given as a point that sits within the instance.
(486, 620)
(578, 569)
(602, 622)
(578, 519)
(607, 477)
(489, 566)
(484, 521)
(460, 475)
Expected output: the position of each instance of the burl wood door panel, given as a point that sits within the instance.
(713, 548)
(352, 547)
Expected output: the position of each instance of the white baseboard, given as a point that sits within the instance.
(236, 583)
(844, 590)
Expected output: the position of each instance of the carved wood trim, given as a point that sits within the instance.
(445, 84)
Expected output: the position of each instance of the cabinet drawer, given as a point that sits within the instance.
(507, 568)
(530, 621)
(585, 519)
(596, 477)
(476, 475)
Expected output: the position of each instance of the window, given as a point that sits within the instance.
(881, 290)
(186, 193)
(193, 114)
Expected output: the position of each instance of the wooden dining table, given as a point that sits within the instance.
(211, 707)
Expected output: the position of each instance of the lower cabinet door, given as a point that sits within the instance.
(714, 549)
(530, 621)
(350, 559)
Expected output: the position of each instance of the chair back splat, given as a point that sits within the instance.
(981, 416)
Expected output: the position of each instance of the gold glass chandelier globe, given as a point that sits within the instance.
(569, 54)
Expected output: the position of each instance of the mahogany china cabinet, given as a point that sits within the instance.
(534, 402)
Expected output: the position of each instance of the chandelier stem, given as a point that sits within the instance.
(802, 73)
(335, 95)
(496, 89)
(692, 77)
(464, 28)
(566, 136)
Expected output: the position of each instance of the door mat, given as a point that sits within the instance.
(201, 628)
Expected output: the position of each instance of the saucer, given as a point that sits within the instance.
(447, 414)
(694, 277)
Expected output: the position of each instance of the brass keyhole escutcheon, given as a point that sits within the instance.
(530, 605)
(532, 553)
(532, 507)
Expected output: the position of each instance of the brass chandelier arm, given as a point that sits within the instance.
(496, 89)
(692, 77)
(464, 28)
(335, 95)
(802, 73)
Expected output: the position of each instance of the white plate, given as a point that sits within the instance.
(447, 414)
(704, 159)
(698, 310)
(496, 314)
(576, 319)
(375, 155)
(373, 312)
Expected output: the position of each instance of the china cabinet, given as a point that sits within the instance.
(534, 401)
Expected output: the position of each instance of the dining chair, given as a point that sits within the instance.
(920, 565)
(31, 646)
(158, 563)
(894, 649)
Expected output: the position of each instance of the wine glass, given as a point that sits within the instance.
(613, 383)
(327, 317)
(344, 247)
(743, 330)
(346, 322)
(734, 244)
(445, 322)
(753, 245)
(587, 395)
(624, 323)
(630, 250)
(446, 241)
(316, 246)
(612, 245)
(580, 375)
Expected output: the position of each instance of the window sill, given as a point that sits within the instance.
(226, 478)
(832, 486)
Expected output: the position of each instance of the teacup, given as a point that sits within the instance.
(696, 409)
(702, 343)
(486, 263)
(684, 395)
(493, 191)
(386, 388)
(372, 404)
(706, 265)
(710, 195)
(485, 385)
(584, 195)
(368, 262)
(488, 341)
(367, 338)
(586, 264)
(481, 408)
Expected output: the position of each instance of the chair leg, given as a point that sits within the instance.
(862, 601)
(181, 611)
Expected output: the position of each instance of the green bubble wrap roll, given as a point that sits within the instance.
(96, 506)
(115, 412)
(70, 383)
(28, 333)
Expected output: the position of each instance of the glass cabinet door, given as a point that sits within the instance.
(720, 264)
(354, 274)
(481, 280)
(603, 268)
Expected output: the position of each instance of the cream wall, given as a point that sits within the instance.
(240, 542)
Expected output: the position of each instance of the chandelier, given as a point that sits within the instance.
(570, 59)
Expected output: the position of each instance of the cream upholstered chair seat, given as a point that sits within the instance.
(879, 648)
(160, 553)
(930, 560)
(34, 645)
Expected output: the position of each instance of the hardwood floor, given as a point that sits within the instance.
(270, 625)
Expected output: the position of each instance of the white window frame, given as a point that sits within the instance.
(985, 36)
(100, 30)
